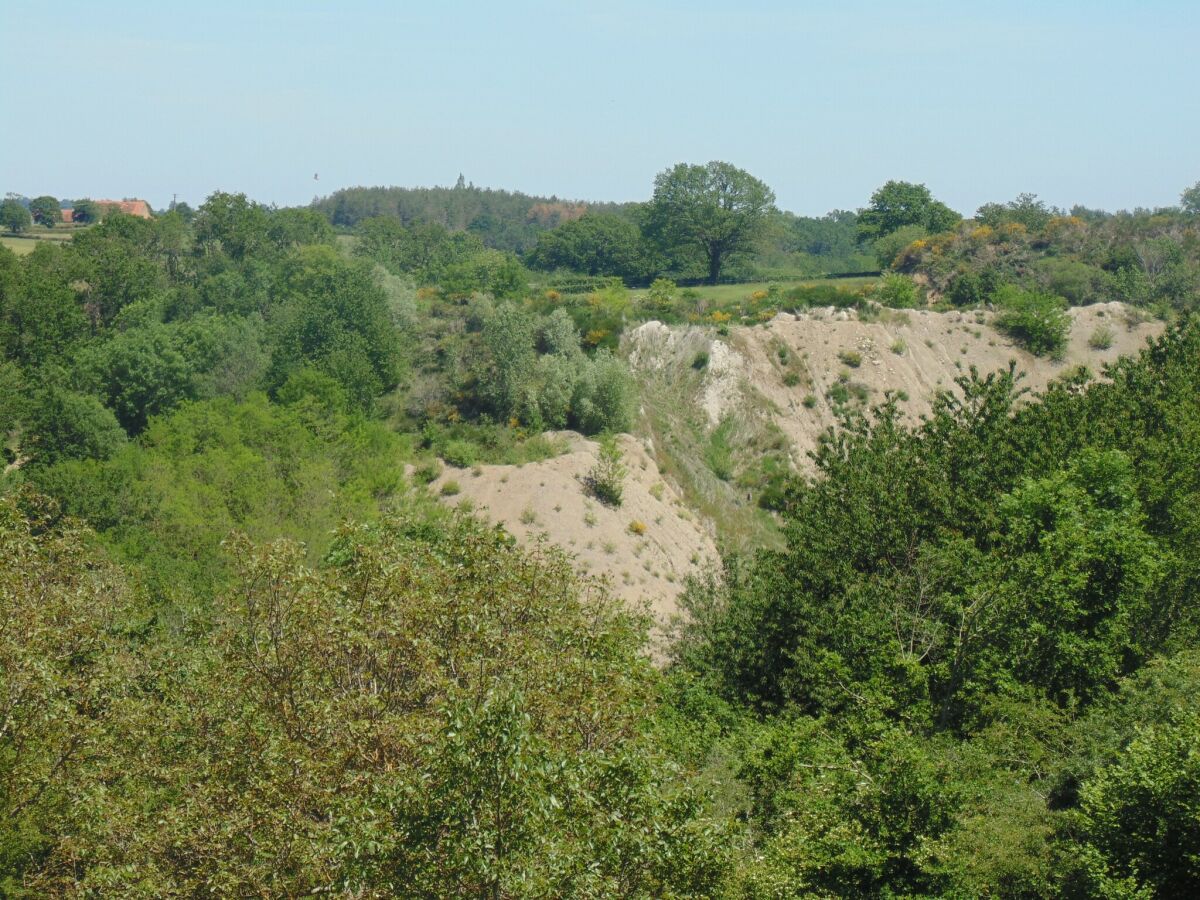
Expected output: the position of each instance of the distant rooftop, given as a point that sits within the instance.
(139, 208)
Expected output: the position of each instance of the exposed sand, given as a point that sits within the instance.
(937, 348)
(549, 498)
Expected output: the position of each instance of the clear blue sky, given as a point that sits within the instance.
(1088, 101)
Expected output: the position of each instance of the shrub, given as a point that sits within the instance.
(899, 347)
(427, 471)
(637, 527)
(450, 488)
(898, 292)
(460, 454)
(700, 361)
(809, 401)
(1036, 320)
(1101, 339)
(604, 396)
(605, 480)
(528, 516)
(838, 393)
(851, 358)
(791, 379)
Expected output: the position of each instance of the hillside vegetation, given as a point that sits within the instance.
(396, 567)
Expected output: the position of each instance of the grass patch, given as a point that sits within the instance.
(1102, 338)
(719, 454)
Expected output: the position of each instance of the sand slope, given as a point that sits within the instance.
(549, 498)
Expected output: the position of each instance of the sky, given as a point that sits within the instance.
(1079, 101)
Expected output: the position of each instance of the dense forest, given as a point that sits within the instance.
(245, 652)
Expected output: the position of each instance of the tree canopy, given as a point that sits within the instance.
(711, 212)
(901, 203)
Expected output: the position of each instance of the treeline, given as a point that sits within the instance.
(704, 223)
(502, 220)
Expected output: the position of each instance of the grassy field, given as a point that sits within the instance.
(25, 242)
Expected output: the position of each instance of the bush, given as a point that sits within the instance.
(637, 527)
(899, 347)
(460, 454)
(427, 471)
(604, 396)
(898, 292)
(450, 488)
(1035, 320)
(851, 358)
(1101, 339)
(809, 401)
(791, 379)
(888, 247)
(605, 480)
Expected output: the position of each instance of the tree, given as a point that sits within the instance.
(85, 211)
(333, 315)
(1026, 210)
(901, 203)
(1138, 821)
(596, 244)
(69, 425)
(14, 216)
(423, 250)
(714, 212)
(1190, 200)
(45, 211)
(234, 223)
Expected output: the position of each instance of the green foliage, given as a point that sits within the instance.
(595, 244)
(460, 765)
(424, 251)
(605, 480)
(1026, 210)
(1189, 200)
(974, 288)
(62, 676)
(64, 424)
(334, 317)
(718, 453)
(901, 204)
(1037, 321)
(233, 224)
(604, 396)
(887, 247)
(45, 211)
(1137, 822)
(503, 220)
(460, 454)
(712, 213)
(898, 292)
(85, 211)
(1101, 338)
(14, 216)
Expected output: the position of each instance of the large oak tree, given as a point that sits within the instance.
(715, 211)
